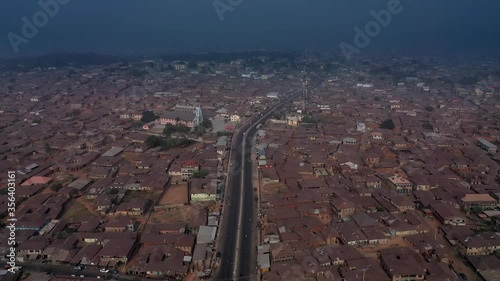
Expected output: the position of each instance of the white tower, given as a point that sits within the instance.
(198, 118)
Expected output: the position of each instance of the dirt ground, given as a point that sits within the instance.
(396, 241)
(176, 214)
(77, 211)
(192, 277)
(175, 194)
(272, 188)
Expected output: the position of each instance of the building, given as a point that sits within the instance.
(486, 145)
(478, 202)
(188, 168)
(273, 95)
(361, 127)
(202, 190)
(206, 234)
(189, 119)
(401, 264)
(400, 184)
(481, 244)
(448, 215)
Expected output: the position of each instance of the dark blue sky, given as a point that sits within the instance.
(125, 26)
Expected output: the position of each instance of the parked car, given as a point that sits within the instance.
(104, 270)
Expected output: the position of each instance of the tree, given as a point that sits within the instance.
(152, 141)
(309, 119)
(56, 187)
(429, 108)
(148, 116)
(223, 133)
(428, 126)
(387, 124)
(192, 65)
(200, 174)
(207, 124)
(328, 67)
(169, 129)
(48, 149)
(114, 191)
(170, 68)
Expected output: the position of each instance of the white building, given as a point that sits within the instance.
(361, 127)
(273, 95)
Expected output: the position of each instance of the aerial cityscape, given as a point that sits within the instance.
(349, 163)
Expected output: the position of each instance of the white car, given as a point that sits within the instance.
(104, 270)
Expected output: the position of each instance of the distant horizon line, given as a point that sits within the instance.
(297, 51)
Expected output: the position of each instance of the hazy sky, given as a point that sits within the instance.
(124, 26)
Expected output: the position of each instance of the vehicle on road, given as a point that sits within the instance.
(104, 270)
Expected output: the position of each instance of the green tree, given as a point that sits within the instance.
(148, 116)
(309, 119)
(152, 141)
(328, 67)
(192, 65)
(48, 149)
(114, 191)
(429, 108)
(200, 174)
(170, 129)
(207, 124)
(387, 124)
(56, 187)
(223, 133)
(427, 125)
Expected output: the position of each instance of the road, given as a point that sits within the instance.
(237, 240)
(68, 271)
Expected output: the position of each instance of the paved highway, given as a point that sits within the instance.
(68, 271)
(237, 240)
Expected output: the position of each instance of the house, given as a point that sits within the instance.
(486, 145)
(136, 207)
(349, 140)
(478, 202)
(235, 118)
(116, 250)
(119, 224)
(281, 252)
(402, 264)
(448, 214)
(189, 119)
(373, 182)
(481, 244)
(37, 180)
(343, 208)
(202, 190)
(399, 184)
(31, 250)
(188, 168)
